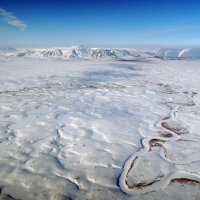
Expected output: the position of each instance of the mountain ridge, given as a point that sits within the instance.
(87, 53)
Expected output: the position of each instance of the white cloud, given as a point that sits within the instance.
(9, 18)
(173, 30)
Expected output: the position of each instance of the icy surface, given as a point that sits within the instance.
(99, 129)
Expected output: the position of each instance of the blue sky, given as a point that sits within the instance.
(48, 23)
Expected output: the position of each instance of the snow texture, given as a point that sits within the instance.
(99, 129)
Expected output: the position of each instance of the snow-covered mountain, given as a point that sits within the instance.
(178, 53)
(79, 52)
(86, 53)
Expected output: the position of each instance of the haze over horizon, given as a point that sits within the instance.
(99, 23)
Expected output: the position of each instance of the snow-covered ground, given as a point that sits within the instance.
(99, 129)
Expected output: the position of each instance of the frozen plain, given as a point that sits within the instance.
(99, 129)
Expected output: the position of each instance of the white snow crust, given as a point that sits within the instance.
(99, 129)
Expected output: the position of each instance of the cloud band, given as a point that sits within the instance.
(9, 18)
